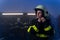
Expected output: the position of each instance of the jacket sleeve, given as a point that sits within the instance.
(49, 30)
(32, 28)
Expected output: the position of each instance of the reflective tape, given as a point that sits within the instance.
(34, 27)
(47, 28)
(29, 29)
(41, 35)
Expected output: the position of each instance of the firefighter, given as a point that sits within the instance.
(41, 27)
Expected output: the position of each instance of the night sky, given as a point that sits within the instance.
(53, 6)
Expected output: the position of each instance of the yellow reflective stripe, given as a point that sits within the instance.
(48, 28)
(35, 28)
(29, 29)
(41, 35)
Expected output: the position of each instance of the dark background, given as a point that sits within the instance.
(25, 6)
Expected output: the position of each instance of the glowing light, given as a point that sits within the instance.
(30, 13)
(12, 13)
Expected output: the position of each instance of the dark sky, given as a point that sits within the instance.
(53, 6)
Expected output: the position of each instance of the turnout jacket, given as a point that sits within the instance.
(41, 29)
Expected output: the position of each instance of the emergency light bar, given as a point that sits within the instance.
(30, 13)
(12, 13)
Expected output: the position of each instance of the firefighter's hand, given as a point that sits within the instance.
(39, 20)
(43, 19)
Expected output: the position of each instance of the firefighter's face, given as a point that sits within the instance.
(39, 14)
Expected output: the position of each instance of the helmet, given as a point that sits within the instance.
(41, 7)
